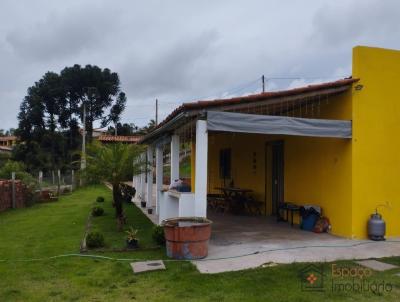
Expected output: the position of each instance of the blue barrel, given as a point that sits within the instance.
(308, 222)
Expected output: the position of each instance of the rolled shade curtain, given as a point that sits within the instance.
(269, 124)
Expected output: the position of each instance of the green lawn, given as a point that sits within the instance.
(57, 228)
(106, 224)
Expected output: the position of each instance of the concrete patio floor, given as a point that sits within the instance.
(242, 242)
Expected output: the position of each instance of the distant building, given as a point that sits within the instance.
(7, 143)
(128, 139)
(102, 136)
(96, 132)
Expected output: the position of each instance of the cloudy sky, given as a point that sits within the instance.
(186, 50)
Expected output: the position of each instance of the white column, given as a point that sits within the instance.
(137, 187)
(200, 194)
(143, 178)
(136, 182)
(149, 193)
(159, 176)
(174, 157)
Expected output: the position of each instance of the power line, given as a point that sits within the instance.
(305, 78)
(156, 112)
(215, 95)
(233, 90)
(263, 83)
(152, 105)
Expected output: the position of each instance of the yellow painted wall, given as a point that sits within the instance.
(244, 147)
(348, 178)
(376, 143)
(317, 170)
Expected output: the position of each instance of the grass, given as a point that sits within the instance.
(56, 228)
(106, 224)
(184, 168)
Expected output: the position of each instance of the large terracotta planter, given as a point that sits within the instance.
(187, 237)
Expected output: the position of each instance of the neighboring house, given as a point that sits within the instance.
(7, 143)
(102, 136)
(96, 132)
(127, 139)
(4, 149)
(333, 144)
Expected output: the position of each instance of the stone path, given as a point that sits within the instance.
(145, 266)
(376, 265)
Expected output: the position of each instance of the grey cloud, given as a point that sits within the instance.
(184, 50)
(373, 22)
(62, 35)
(172, 69)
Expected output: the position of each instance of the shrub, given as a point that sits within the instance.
(158, 235)
(97, 211)
(20, 173)
(94, 239)
(100, 199)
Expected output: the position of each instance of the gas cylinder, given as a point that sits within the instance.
(376, 227)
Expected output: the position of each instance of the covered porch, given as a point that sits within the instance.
(281, 148)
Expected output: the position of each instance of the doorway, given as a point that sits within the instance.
(274, 171)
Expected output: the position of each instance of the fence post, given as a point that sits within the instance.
(58, 182)
(72, 179)
(40, 181)
(14, 204)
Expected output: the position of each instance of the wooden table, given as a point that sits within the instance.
(236, 197)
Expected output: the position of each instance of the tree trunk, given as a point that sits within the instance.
(119, 214)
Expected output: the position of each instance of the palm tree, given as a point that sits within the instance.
(114, 163)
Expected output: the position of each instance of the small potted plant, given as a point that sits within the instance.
(142, 203)
(131, 240)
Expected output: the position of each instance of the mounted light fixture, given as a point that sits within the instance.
(359, 87)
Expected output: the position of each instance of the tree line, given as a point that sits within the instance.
(52, 111)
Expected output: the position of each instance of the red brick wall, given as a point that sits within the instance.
(6, 194)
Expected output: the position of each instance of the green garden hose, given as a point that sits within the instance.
(211, 259)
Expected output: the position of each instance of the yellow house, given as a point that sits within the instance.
(333, 144)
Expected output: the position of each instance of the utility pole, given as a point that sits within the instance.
(156, 112)
(263, 83)
(83, 157)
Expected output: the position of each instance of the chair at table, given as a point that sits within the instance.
(287, 207)
(217, 203)
(253, 206)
